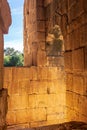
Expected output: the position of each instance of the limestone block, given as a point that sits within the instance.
(76, 101)
(22, 87)
(8, 74)
(76, 39)
(42, 87)
(32, 101)
(69, 99)
(52, 73)
(21, 116)
(37, 87)
(37, 114)
(18, 101)
(82, 107)
(33, 73)
(11, 118)
(42, 100)
(78, 84)
(68, 61)
(54, 110)
(43, 72)
(41, 58)
(68, 42)
(69, 82)
(78, 60)
(33, 88)
(70, 114)
(58, 86)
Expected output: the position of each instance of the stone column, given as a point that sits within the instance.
(5, 22)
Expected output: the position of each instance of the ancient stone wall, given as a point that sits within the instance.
(75, 61)
(36, 96)
(71, 16)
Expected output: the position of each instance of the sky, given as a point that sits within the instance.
(14, 38)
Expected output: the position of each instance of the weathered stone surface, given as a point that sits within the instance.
(5, 16)
(30, 92)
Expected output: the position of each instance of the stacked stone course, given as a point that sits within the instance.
(36, 96)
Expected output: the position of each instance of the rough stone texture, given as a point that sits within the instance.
(36, 96)
(5, 21)
(71, 16)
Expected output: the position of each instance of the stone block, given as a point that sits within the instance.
(20, 73)
(8, 74)
(68, 61)
(54, 110)
(42, 87)
(76, 102)
(78, 84)
(19, 101)
(11, 118)
(41, 101)
(75, 39)
(68, 43)
(83, 35)
(42, 73)
(41, 58)
(37, 114)
(24, 85)
(32, 101)
(69, 82)
(69, 99)
(37, 87)
(21, 116)
(58, 86)
(52, 73)
(78, 59)
(33, 73)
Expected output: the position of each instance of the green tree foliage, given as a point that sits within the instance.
(13, 57)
